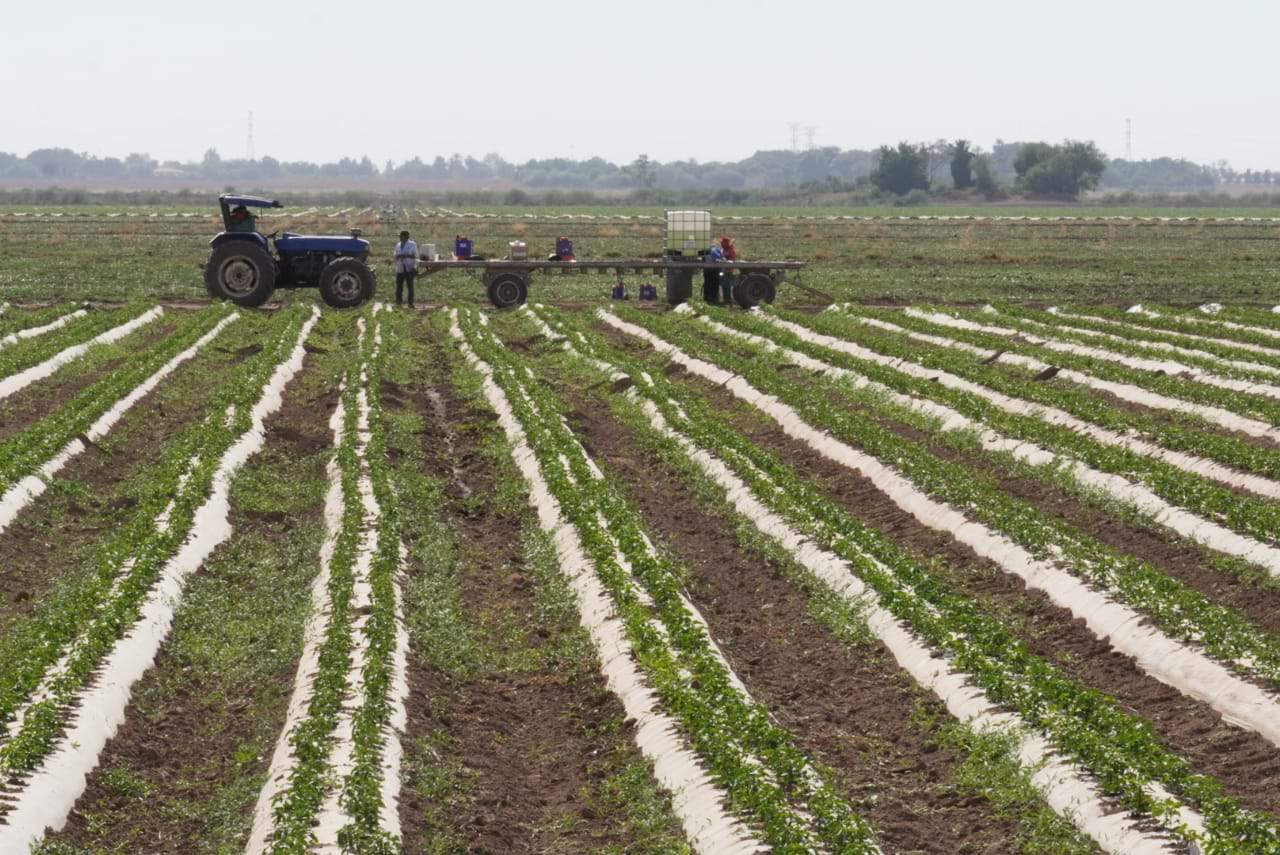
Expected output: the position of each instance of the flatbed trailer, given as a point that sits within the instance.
(507, 280)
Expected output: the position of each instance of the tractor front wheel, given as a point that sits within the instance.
(346, 282)
(242, 272)
(753, 289)
(507, 290)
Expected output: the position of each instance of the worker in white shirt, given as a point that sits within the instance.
(406, 266)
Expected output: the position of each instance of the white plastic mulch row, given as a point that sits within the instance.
(1177, 520)
(1190, 671)
(27, 490)
(1066, 789)
(22, 379)
(697, 801)
(1137, 331)
(47, 796)
(1137, 363)
(1256, 484)
(1124, 391)
(332, 816)
(1225, 324)
(1134, 336)
(32, 332)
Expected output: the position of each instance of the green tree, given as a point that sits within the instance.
(901, 170)
(961, 164)
(1031, 155)
(1069, 170)
(984, 179)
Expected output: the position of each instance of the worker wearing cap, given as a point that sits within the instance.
(406, 266)
(728, 278)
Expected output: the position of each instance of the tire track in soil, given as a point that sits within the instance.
(43, 397)
(848, 707)
(1247, 766)
(78, 519)
(187, 733)
(525, 738)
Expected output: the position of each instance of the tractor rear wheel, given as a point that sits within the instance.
(242, 272)
(346, 282)
(753, 289)
(507, 290)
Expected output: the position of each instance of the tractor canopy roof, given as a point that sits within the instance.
(248, 201)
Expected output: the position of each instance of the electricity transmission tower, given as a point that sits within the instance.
(810, 131)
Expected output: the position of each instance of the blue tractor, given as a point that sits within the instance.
(242, 268)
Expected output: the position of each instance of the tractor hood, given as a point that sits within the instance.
(290, 243)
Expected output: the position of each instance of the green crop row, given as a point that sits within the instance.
(311, 740)
(1248, 515)
(1252, 406)
(1142, 336)
(23, 454)
(14, 320)
(33, 351)
(1085, 725)
(1178, 433)
(1023, 322)
(1197, 323)
(84, 622)
(765, 776)
(1177, 609)
(361, 794)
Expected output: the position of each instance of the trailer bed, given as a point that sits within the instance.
(507, 280)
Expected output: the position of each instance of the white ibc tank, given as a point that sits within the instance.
(688, 231)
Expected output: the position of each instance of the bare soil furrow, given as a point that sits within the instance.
(1190, 728)
(203, 720)
(850, 707)
(57, 534)
(533, 748)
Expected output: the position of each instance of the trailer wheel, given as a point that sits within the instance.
(242, 272)
(507, 290)
(753, 289)
(346, 282)
(679, 286)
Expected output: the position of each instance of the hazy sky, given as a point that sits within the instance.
(672, 78)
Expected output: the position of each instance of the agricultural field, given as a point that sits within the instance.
(1110, 256)
(891, 574)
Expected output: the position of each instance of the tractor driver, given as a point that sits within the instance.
(242, 220)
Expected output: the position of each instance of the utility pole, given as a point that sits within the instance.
(794, 128)
(809, 132)
(1128, 139)
(248, 146)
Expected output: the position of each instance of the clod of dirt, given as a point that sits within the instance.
(993, 357)
(622, 384)
(672, 368)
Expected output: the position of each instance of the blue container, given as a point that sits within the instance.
(564, 248)
(648, 292)
(462, 247)
(619, 292)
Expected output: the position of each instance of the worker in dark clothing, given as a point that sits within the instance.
(728, 278)
(242, 220)
(711, 276)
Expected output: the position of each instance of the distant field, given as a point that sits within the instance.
(123, 253)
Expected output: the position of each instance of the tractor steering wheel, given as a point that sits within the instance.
(273, 234)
